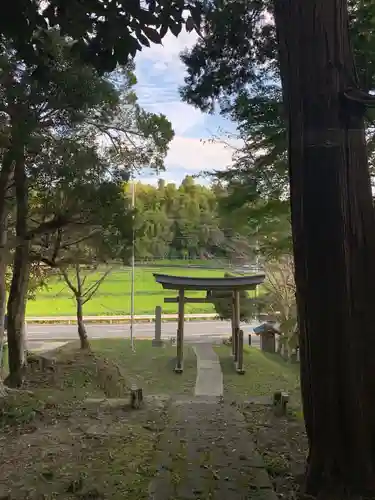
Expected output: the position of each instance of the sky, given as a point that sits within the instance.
(159, 73)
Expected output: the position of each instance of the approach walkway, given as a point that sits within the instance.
(206, 451)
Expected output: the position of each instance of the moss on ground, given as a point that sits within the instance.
(152, 368)
(280, 440)
(53, 445)
(264, 374)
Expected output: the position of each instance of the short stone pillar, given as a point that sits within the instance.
(294, 358)
(268, 341)
(239, 364)
(157, 341)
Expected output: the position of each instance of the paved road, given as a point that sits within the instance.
(195, 331)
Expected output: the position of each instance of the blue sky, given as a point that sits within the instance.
(160, 73)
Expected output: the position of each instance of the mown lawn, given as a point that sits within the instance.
(114, 295)
(265, 374)
(152, 368)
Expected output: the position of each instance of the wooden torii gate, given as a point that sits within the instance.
(233, 284)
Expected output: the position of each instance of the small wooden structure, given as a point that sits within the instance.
(233, 284)
(267, 332)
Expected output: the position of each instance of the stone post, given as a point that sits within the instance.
(157, 342)
(180, 332)
(233, 329)
(240, 368)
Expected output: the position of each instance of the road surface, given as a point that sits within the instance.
(195, 331)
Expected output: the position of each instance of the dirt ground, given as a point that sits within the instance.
(280, 440)
(54, 445)
(282, 443)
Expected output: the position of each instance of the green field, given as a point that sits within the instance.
(113, 297)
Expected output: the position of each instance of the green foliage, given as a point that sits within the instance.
(235, 67)
(178, 222)
(77, 136)
(102, 33)
(222, 301)
(78, 211)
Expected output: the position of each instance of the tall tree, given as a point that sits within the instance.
(331, 200)
(31, 111)
(73, 132)
(243, 81)
(328, 161)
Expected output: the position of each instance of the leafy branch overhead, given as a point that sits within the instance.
(234, 68)
(104, 33)
(70, 141)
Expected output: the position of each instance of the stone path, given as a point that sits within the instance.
(209, 375)
(41, 347)
(206, 451)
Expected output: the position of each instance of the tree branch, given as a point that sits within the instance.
(57, 244)
(68, 282)
(57, 223)
(79, 240)
(78, 277)
(90, 292)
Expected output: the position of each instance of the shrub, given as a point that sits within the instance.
(222, 301)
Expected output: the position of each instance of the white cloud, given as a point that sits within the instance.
(194, 155)
(160, 72)
(153, 181)
(182, 116)
(167, 56)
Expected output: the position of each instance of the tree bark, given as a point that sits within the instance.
(5, 174)
(334, 245)
(3, 303)
(81, 325)
(20, 280)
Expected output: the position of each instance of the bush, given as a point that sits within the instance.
(222, 301)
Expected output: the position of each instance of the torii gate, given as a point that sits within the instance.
(233, 284)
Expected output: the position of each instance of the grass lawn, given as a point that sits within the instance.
(151, 367)
(114, 295)
(265, 374)
(53, 444)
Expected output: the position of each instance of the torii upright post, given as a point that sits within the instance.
(234, 335)
(236, 321)
(239, 333)
(180, 331)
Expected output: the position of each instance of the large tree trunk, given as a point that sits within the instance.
(16, 316)
(20, 280)
(81, 325)
(3, 303)
(5, 174)
(334, 244)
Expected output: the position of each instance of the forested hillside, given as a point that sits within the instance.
(186, 222)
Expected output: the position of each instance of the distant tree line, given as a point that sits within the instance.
(186, 222)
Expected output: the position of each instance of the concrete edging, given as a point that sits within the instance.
(116, 319)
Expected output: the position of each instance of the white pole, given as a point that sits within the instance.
(133, 274)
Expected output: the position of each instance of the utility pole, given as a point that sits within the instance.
(132, 272)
